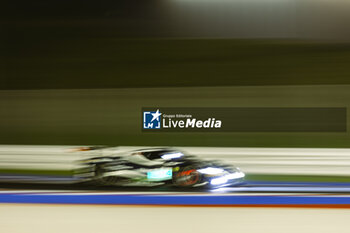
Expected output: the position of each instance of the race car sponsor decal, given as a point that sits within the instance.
(160, 174)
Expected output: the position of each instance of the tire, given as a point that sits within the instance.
(104, 181)
(187, 177)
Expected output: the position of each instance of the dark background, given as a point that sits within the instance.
(202, 53)
(156, 43)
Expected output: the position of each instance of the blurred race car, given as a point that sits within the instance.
(113, 166)
(162, 166)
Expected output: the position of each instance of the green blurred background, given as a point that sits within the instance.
(79, 72)
(113, 116)
(91, 90)
(102, 62)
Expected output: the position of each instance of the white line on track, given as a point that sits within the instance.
(221, 191)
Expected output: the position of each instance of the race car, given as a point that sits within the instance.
(162, 166)
(113, 166)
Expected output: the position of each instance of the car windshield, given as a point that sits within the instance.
(163, 154)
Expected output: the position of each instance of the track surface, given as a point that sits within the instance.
(249, 187)
(328, 195)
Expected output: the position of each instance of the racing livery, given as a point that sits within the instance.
(163, 166)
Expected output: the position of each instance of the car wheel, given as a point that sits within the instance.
(102, 180)
(187, 177)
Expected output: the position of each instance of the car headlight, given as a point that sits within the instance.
(226, 178)
(235, 175)
(220, 180)
(211, 170)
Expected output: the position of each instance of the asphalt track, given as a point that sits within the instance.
(261, 194)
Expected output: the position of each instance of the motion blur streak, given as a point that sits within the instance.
(198, 200)
(322, 19)
(112, 116)
(92, 219)
(279, 167)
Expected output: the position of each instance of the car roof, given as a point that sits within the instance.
(156, 149)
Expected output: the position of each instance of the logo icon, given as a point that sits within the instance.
(151, 120)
